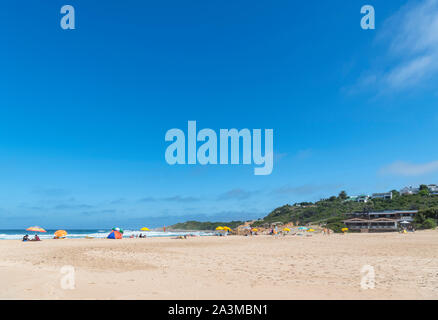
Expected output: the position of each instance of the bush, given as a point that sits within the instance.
(428, 224)
(336, 226)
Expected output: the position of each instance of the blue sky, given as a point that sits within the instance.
(83, 112)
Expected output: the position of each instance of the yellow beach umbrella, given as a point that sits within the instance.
(144, 229)
(255, 230)
(227, 228)
(344, 229)
(311, 230)
(36, 229)
(220, 228)
(286, 229)
(60, 233)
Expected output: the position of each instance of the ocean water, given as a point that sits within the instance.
(96, 233)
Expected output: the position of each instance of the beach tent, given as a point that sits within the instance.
(286, 229)
(115, 235)
(118, 229)
(302, 228)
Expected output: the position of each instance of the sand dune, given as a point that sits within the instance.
(234, 267)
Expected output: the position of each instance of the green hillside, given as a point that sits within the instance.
(338, 206)
(334, 209)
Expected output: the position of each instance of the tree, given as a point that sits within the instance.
(343, 195)
(423, 187)
(428, 224)
(424, 219)
(429, 213)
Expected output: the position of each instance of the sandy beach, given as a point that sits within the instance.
(233, 267)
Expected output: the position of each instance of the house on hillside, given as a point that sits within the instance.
(383, 221)
(361, 198)
(409, 190)
(384, 195)
(433, 189)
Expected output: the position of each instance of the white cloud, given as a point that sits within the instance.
(412, 34)
(401, 168)
(411, 72)
(410, 40)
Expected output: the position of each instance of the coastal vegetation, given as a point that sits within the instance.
(333, 210)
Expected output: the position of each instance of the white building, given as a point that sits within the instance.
(409, 190)
(385, 195)
(361, 198)
(433, 189)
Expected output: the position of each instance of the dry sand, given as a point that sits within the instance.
(234, 267)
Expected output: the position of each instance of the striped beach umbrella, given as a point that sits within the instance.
(36, 229)
(118, 229)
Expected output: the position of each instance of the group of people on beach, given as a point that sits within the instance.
(36, 238)
(273, 231)
(138, 236)
(406, 229)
